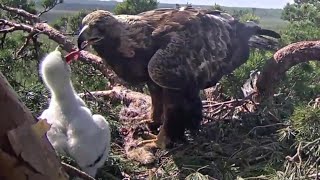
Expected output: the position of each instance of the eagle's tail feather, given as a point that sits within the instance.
(264, 43)
(262, 40)
(269, 33)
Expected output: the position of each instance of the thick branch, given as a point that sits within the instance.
(281, 62)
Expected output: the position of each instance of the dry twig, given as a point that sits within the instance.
(297, 155)
(76, 172)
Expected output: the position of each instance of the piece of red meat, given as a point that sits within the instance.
(73, 55)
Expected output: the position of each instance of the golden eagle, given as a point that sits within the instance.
(176, 52)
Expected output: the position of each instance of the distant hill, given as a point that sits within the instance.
(270, 18)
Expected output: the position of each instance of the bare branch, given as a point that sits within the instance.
(282, 61)
(298, 52)
(21, 12)
(58, 37)
(16, 27)
(65, 43)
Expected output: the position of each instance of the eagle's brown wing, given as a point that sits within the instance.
(169, 66)
(193, 55)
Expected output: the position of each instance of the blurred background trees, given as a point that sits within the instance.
(135, 6)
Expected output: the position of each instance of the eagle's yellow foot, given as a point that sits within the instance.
(146, 121)
(150, 143)
(160, 141)
(150, 123)
(148, 136)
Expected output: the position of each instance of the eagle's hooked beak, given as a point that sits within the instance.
(82, 39)
(85, 40)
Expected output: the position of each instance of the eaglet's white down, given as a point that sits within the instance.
(74, 130)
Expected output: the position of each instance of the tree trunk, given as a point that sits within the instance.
(25, 152)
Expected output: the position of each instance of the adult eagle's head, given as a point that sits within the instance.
(96, 26)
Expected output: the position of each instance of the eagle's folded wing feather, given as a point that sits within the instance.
(194, 55)
(169, 66)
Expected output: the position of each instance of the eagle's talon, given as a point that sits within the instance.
(148, 136)
(150, 123)
(149, 143)
(152, 143)
(145, 121)
(160, 141)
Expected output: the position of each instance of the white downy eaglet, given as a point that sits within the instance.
(75, 131)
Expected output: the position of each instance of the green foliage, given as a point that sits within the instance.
(74, 21)
(70, 24)
(135, 6)
(246, 15)
(300, 31)
(22, 72)
(302, 82)
(304, 131)
(308, 10)
(61, 24)
(306, 123)
(47, 5)
(217, 7)
(250, 17)
(232, 82)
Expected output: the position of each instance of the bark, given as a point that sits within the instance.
(24, 154)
